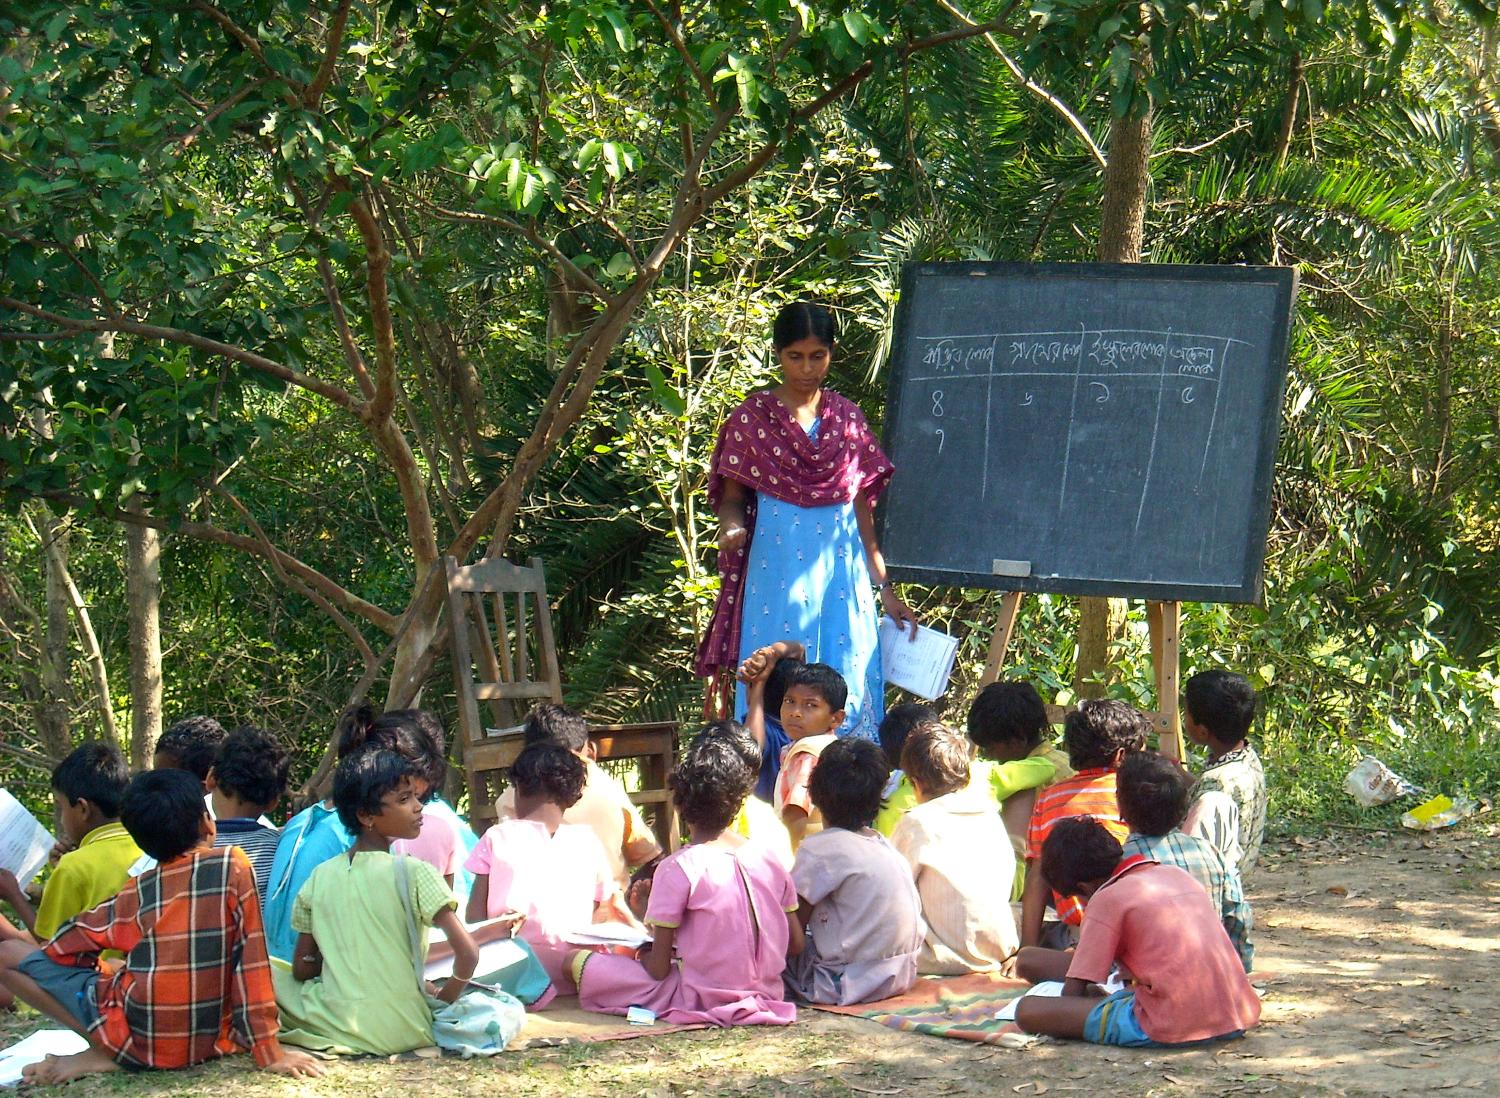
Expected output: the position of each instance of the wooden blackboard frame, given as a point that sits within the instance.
(1251, 588)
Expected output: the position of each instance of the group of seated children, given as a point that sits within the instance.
(934, 899)
(826, 870)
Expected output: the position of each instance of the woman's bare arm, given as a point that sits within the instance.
(890, 602)
(732, 528)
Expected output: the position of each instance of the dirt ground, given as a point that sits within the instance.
(1381, 951)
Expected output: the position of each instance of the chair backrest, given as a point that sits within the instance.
(504, 655)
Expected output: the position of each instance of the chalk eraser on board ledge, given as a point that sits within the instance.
(1001, 567)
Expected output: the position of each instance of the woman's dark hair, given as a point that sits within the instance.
(364, 778)
(252, 765)
(193, 742)
(1007, 712)
(898, 723)
(803, 320)
(1100, 727)
(549, 770)
(1153, 793)
(777, 682)
(96, 772)
(1222, 702)
(1077, 850)
(737, 736)
(936, 759)
(825, 680)
(710, 782)
(848, 783)
(163, 811)
(553, 723)
(411, 733)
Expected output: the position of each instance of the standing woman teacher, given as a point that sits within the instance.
(794, 478)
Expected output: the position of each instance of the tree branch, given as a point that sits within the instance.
(674, 34)
(203, 531)
(1037, 89)
(324, 74)
(377, 263)
(558, 256)
(342, 397)
(270, 553)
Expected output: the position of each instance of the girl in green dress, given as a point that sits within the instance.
(353, 986)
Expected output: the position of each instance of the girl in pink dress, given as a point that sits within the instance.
(555, 874)
(723, 910)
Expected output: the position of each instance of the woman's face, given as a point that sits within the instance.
(804, 364)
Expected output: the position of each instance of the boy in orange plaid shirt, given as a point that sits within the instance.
(1098, 735)
(196, 983)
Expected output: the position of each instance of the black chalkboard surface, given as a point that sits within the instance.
(1092, 429)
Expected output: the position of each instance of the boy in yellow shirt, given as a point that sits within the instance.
(87, 786)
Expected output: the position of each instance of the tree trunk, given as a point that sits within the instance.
(1101, 621)
(53, 717)
(143, 599)
(54, 542)
(1288, 125)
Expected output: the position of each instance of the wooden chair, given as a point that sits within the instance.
(504, 655)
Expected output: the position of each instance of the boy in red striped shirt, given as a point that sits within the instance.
(196, 983)
(1098, 735)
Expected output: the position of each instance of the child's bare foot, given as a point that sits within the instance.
(64, 1069)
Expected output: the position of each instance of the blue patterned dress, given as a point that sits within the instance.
(807, 580)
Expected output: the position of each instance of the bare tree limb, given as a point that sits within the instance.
(203, 531)
(303, 589)
(1035, 88)
(52, 545)
(321, 78)
(342, 397)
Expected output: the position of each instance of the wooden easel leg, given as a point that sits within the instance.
(1165, 622)
(1010, 605)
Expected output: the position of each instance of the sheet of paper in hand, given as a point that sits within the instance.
(608, 934)
(922, 665)
(24, 843)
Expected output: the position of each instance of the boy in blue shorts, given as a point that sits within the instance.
(1185, 983)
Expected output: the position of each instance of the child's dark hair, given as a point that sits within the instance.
(194, 742)
(710, 782)
(848, 782)
(737, 736)
(402, 731)
(1153, 793)
(553, 723)
(936, 759)
(252, 765)
(824, 679)
(1079, 849)
(1223, 703)
(96, 772)
(163, 811)
(899, 722)
(364, 778)
(1099, 728)
(549, 770)
(777, 682)
(1007, 713)
(803, 320)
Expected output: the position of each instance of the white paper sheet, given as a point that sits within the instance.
(620, 934)
(922, 665)
(1047, 989)
(35, 1049)
(24, 843)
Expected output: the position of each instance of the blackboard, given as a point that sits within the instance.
(1091, 429)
